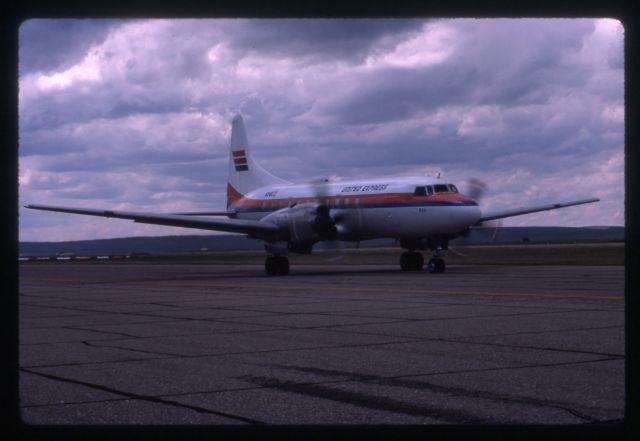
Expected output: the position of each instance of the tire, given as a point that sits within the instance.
(411, 261)
(440, 266)
(283, 265)
(417, 261)
(405, 261)
(271, 266)
(432, 266)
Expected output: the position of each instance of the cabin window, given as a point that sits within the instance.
(357, 201)
(453, 188)
(337, 202)
(346, 201)
(429, 190)
(420, 191)
(441, 188)
(264, 204)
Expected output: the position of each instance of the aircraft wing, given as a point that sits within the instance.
(251, 227)
(208, 213)
(518, 211)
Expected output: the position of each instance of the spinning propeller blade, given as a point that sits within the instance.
(325, 222)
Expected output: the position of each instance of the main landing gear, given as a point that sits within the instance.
(413, 261)
(276, 266)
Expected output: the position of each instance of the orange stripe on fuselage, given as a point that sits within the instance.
(237, 153)
(242, 202)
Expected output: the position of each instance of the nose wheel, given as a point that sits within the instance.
(276, 266)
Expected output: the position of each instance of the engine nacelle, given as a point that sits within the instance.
(297, 225)
(304, 224)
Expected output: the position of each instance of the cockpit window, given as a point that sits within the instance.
(453, 188)
(420, 191)
(441, 188)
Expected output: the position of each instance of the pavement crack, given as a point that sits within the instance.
(148, 398)
(405, 381)
(98, 331)
(467, 340)
(369, 401)
(166, 354)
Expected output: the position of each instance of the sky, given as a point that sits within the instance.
(136, 114)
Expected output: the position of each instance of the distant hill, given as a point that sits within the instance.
(127, 245)
(187, 244)
(506, 235)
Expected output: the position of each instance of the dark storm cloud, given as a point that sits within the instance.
(523, 61)
(46, 45)
(348, 39)
(516, 62)
(392, 94)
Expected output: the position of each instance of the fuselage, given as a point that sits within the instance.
(384, 207)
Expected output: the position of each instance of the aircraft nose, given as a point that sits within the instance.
(466, 216)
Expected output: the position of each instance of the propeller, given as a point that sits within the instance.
(476, 189)
(324, 223)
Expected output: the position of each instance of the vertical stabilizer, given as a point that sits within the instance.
(245, 175)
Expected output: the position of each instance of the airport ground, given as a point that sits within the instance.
(606, 253)
(162, 342)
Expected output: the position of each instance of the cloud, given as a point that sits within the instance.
(136, 113)
(319, 40)
(47, 45)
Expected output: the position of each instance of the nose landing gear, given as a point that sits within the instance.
(436, 263)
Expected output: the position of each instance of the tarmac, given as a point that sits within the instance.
(191, 344)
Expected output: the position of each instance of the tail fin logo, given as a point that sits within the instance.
(240, 160)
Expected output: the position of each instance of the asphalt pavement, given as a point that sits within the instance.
(136, 343)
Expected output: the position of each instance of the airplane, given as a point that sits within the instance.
(421, 212)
